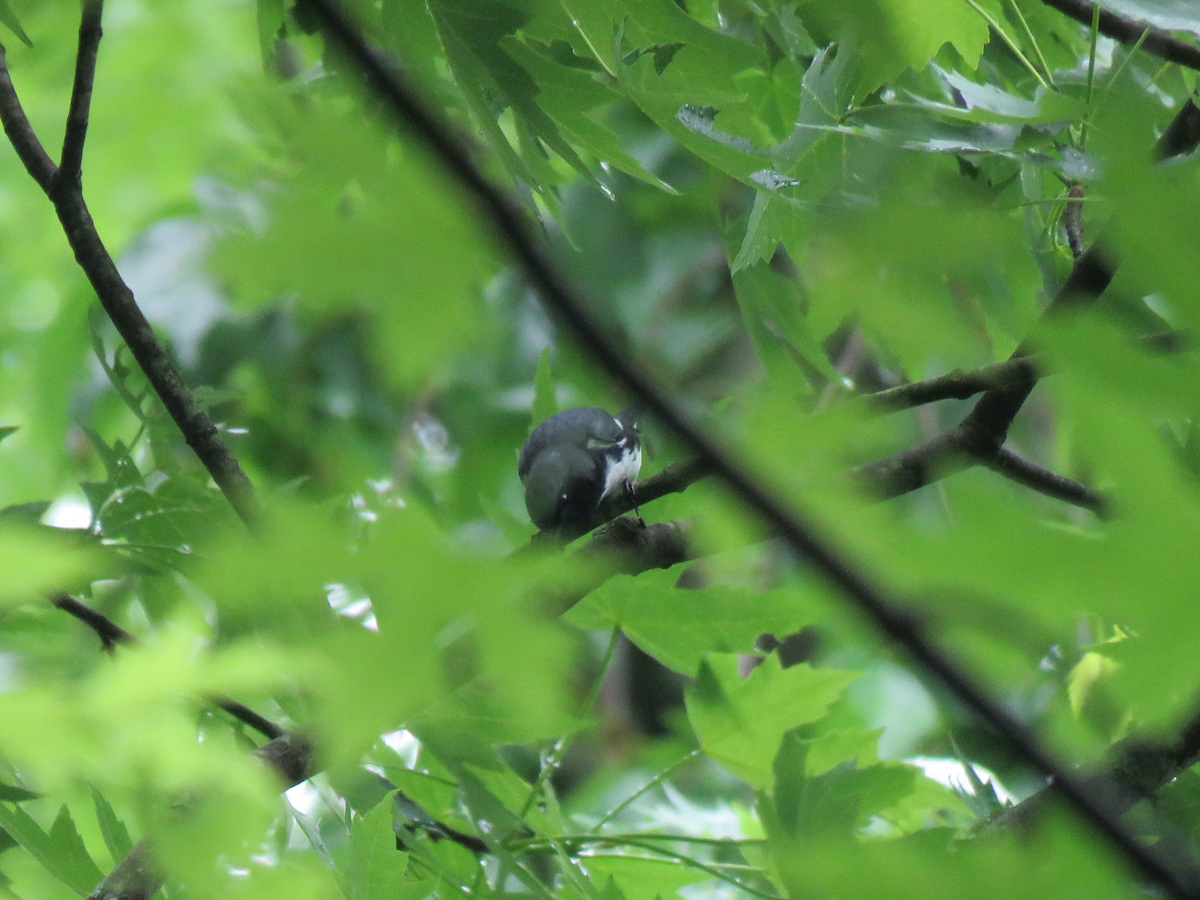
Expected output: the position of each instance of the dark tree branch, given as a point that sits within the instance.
(21, 134)
(70, 168)
(1013, 467)
(65, 193)
(1128, 31)
(247, 716)
(111, 634)
(957, 385)
(1138, 768)
(509, 223)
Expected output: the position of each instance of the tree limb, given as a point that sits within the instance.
(1128, 31)
(1014, 468)
(1138, 768)
(509, 224)
(70, 167)
(111, 634)
(63, 189)
(957, 385)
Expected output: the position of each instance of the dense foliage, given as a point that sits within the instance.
(820, 228)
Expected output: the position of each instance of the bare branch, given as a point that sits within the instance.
(70, 167)
(957, 385)
(509, 223)
(110, 633)
(1043, 481)
(21, 134)
(1128, 31)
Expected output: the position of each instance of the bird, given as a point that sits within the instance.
(575, 459)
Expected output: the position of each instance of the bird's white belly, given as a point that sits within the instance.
(623, 471)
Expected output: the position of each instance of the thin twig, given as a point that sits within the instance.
(111, 634)
(70, 167)
(648, 786)
(21, 134)
(509, 223)
(1023, 472)
(1128, 31)
(957, 385)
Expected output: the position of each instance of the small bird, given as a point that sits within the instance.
(574, 460)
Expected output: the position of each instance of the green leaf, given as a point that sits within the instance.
(37, 561)
(680, 627)
(568, 94)
(14, 794)
(365, 226)
(270, 21)
(836, 801)
(116, 835)
(376, 870)
(740, 722)
(772, 310)
(893, 35)
(9, 18)
(640, 877)
(545, 401)
(61, 852)
(471, 33)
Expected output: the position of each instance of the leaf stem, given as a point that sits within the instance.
(648, 786)
(1010, 42)
(1033, 40)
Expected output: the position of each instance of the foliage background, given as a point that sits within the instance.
(773, 208)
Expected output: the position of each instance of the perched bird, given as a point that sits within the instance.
(574, 460)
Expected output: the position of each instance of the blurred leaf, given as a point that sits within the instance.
(38, 561)
(9, 18)
(270, 21)
(545, 403)
(14, 794)
(371, 196)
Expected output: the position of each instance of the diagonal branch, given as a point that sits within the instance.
(21, 134)
(509, 223)
(111, 634)
(1128, 31)
(1032, 476)
(64, 191)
